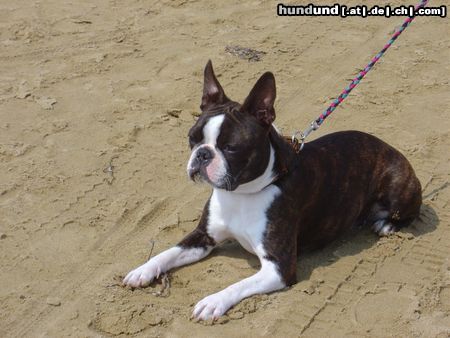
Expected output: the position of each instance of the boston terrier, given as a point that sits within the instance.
(276, 201)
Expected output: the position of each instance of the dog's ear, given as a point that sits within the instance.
(213, 93)
(259, 102)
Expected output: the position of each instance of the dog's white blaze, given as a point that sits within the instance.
(211, 130)
(217, 168)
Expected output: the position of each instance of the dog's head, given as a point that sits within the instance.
(229, 141)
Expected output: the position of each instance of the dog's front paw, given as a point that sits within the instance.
(143, 275)
(212, 306)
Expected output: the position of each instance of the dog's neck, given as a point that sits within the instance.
(262, 181)
(280, 157)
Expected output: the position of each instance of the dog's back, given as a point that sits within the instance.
(345, 179)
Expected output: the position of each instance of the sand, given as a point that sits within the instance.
(95, 104)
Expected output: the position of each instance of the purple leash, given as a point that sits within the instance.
(317, 122)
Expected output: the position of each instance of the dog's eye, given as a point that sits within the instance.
(229, 148)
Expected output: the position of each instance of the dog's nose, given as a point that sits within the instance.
(204, 155)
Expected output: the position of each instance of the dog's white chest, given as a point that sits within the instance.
(241, 216)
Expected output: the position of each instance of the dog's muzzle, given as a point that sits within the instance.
(202, 157)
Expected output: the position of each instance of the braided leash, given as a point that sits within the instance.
(298, 144)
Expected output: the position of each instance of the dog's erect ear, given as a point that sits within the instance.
(212, 90)
(259, 102)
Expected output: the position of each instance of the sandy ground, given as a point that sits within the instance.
(116, 85)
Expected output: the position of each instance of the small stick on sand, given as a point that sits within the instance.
(165, 281)
(110, 170)
(152, 243)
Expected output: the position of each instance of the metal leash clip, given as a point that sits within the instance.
(303, 135)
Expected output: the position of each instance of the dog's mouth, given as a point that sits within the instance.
(200, 176)
(196, 176)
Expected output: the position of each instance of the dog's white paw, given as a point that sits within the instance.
(212, 307)
(143, 275)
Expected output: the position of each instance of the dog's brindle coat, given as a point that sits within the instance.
(275, 201)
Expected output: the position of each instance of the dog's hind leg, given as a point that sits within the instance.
(402, 202)
(383, 227)
(378, 218)
(396, 210)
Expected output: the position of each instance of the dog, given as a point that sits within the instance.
(276, 201)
